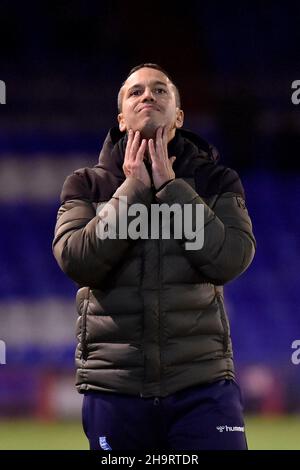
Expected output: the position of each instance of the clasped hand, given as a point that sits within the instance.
(161, 164)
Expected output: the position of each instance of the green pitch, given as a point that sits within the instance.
(263, 433)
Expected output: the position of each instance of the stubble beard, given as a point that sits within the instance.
(149, 130)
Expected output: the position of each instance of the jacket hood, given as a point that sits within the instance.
(188, 147)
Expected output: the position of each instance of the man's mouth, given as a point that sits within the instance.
(149, 106)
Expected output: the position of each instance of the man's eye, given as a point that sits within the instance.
(135, 92)
(161, 90)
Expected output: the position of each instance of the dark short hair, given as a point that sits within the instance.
(150, 66)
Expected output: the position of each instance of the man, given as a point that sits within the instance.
(154, 355)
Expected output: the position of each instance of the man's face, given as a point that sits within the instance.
(148, 101)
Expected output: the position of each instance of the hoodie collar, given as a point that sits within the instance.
(187, 146)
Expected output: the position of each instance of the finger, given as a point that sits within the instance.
(159, 143)
(164, 144)
(152, 151)
(135, 145)
(172, 160)
(129, 143)
(159, 133)
(166, 135)
(141, 151)
(165, 141)
(130, 137)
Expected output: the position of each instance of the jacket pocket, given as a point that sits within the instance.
(224, 321)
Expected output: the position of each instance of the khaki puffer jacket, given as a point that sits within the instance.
(152, 319)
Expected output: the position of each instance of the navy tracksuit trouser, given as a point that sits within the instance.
(203, 417)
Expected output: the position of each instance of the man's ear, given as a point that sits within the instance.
(179, 118)
(122, 125)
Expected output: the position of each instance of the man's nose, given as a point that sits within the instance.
(148, 95)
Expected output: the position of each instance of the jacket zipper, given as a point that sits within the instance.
(83, 326)
(224, 323)
(159, 309)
